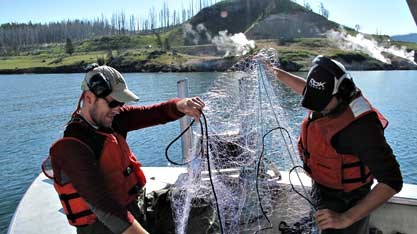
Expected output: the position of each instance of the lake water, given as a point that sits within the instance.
(35, 109)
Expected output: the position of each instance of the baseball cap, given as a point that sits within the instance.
(323, 81)
(108, 80)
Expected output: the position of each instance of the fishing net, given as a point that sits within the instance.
(244, 155)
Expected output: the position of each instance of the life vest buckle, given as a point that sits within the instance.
(128, 171)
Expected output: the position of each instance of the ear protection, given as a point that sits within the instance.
(99, 85)
(344, 87)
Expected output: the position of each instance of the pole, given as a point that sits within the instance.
(182, 92)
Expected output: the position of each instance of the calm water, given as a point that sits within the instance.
(36, 107)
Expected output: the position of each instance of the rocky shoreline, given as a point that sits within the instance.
(215, 65)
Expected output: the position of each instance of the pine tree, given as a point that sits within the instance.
(69, 48)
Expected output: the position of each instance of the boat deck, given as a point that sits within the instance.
(40, 211)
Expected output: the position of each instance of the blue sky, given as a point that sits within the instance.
(374, 16)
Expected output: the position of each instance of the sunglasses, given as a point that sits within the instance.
(114, 103)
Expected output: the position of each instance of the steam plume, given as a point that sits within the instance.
(233, 45)
(368, 46)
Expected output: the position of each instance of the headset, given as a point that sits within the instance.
(345, 87)
(99, 85)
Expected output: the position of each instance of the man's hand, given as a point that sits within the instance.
(135, 228)
(326, 219)
(329, 219)
(191, 107)
(269, 62)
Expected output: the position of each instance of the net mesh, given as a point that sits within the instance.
(241, 107)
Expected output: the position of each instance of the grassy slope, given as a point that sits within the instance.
(89, 51)
(50, 60)
(299, 50)
(130, 50)
(302, 50)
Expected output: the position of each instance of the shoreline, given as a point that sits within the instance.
(212, 65)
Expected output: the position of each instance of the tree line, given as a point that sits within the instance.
(18, 37)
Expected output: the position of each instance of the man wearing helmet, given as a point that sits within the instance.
(343, 148)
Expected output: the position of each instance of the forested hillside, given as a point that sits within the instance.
(194, 38)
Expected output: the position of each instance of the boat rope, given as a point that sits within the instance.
(204, 151)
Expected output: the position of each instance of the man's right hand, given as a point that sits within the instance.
(135, 228)
(191, 107)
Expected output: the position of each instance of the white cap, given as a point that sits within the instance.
(119, 90)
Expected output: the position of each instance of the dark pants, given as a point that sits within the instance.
(339, 201)
(99, 228)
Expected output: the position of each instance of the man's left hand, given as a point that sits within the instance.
(326, 219)
(191, 107)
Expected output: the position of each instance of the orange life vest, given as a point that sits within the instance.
(321, 161)
(123, 175)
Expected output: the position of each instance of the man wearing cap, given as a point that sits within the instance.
(96, 175)
(343, 148)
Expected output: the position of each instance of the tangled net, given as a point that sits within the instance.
(241, 109)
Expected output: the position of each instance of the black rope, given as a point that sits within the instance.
(292, 169)
(282, 129)
(261, 156)
(204, 134)
(209, 171)
(173, 141)
(293, 188)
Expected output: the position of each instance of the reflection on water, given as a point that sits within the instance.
(35, 109)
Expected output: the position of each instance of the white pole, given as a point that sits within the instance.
(182, 91)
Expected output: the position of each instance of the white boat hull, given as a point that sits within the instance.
(40, 211)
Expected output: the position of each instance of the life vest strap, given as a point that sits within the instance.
(66, 197)
(350, 165)
(74, 217)
(356, 180)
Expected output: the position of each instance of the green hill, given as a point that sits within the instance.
(261, 19)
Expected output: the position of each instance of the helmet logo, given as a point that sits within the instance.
(316, 84)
